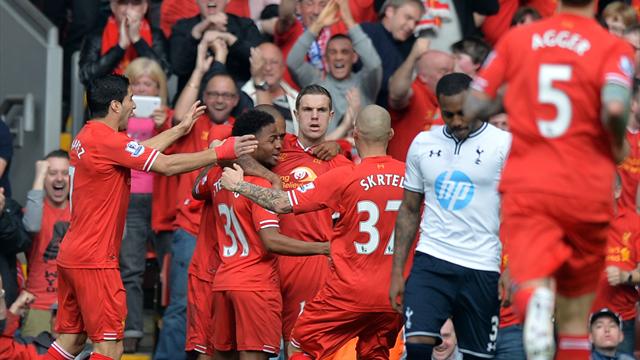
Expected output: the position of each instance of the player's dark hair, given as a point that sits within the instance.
(313, 89)
(522, 13)
(57, 154)
(473, 46)
(103, 90)
(453, 84)
(250, 122)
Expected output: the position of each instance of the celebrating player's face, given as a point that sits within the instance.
(451, 110)
(269, 145)
(314, 114)
(126, 110)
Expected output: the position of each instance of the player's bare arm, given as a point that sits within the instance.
(271, 199)
(615, 112)
(168, 137)
(277, 243)
(405, 231)
(230, 149)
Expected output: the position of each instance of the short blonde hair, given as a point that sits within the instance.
(626, 12)
(145, 66)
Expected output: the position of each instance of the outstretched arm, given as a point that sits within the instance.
(163, 140)
(271, 199)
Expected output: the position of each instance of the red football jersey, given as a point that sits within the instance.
(623, 246)
(100, 176)
(245, 263)
(555, 70)
(368, 197)
(43, 272)
(202, 133)
(297, 167)
(629, 172)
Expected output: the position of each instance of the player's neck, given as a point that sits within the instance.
(111, 120)
(367, 151)
(307, 143)
(587, 11)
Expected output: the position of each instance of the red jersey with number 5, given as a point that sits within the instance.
(245, 263)
(368, 197)
(555, 70)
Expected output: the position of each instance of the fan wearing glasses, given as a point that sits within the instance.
(126, 36)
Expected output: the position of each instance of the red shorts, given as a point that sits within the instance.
(300, 280)
(92, 301)
(553, 236)
(199, 315)
(323, 328)
(247, 321)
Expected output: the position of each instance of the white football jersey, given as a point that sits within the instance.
(459, 180)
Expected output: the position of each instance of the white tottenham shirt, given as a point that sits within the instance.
(459, 180)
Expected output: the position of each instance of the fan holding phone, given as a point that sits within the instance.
(149, 86)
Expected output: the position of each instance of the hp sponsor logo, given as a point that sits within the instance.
(454, 190)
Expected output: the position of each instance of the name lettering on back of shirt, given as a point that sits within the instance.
(77, 147)
(381, 180)
(562, 39)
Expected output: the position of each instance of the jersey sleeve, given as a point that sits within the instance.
(261, 217)
(619, 66)
(413, 178)
(323, 192)
(491, 76)
(124, 151)
(203, 187)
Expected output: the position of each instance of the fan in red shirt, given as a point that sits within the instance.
(353, 302)
(616, 288)
(568, 86)
(91, 297)
(47, 217)
(246, 287)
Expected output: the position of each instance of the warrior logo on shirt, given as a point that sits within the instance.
(454, 190)
(134, 148)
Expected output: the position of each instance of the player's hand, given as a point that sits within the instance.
(22, 303)
(615, 275)
(420, 47)
(236, 146)
(232, 177)
(189, 119)
(327, 17)
(396, 293)
(504, 288)
(159, 116)
(327, 150)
